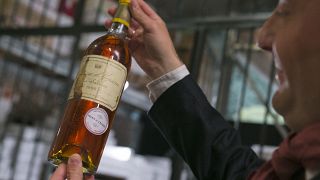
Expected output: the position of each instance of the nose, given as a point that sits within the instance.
(266, 35)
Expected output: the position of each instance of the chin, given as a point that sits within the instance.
(281, 102)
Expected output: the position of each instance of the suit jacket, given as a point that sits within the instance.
(207, 143)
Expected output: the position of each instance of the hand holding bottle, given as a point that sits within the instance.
(150, 42)
(73, 170)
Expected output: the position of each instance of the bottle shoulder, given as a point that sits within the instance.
(109, 39)
(111, 47)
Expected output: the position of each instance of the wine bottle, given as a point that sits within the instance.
(95, 95)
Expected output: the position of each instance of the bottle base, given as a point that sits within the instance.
(68, 150)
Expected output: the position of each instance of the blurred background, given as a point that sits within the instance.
(41, 44)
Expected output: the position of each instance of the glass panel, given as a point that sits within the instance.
(257, 81)
(183, 42)
(212, 59)
(236, 80)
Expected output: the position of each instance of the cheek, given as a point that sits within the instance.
(309, 41)
(308, 31)
(290, 54)
(294, 51)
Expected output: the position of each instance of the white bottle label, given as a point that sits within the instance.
(96, 121)
(100, 80)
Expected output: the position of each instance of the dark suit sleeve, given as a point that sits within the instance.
(208, 144)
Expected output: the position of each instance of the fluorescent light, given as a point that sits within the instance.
(118, 153)
(126, 85)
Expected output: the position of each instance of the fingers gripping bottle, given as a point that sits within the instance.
(94, 97)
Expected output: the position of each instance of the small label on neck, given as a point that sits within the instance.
(122, 21)
(124, 1)
(122, 15)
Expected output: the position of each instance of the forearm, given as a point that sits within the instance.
(200, 135)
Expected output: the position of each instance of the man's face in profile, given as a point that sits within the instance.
(292, 34)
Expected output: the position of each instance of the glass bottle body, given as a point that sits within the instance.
(75, 135)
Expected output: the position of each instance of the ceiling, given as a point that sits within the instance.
(185, 9)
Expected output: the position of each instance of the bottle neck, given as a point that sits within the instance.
(120, 22)
(119, 29)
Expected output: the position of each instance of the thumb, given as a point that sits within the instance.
(60, 173)
(74, 167)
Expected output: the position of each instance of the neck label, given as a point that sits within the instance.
(96, 121)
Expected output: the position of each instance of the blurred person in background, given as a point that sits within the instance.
(6, 101)
(207, 143)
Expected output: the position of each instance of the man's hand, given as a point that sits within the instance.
(71, 171)
(150, 42)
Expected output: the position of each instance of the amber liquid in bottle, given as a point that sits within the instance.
(81, 129)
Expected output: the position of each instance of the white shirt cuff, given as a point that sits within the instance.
(161, 84)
